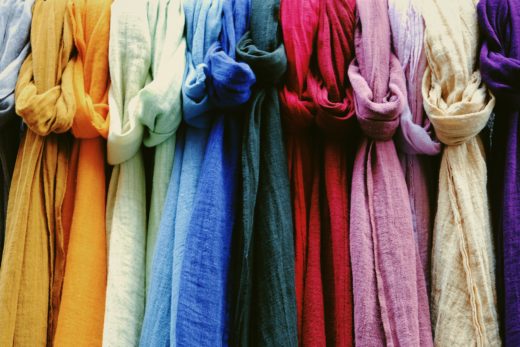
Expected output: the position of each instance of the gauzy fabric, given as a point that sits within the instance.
(500, 67)
(463, 272)
(264, 311)
(318, 115)
(129, 61)
(390, 296)
(15, 25)
(82, 308)
(414, 137)
(33, 261)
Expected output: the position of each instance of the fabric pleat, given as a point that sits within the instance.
(390, 296)
(82, 309)
(500, 67)
(463, 298)
(33, 260)
(318, 110)
(264, 311)
(414, 137)
(15, 25)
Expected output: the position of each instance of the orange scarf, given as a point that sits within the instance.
(33, 259)
(80, 321)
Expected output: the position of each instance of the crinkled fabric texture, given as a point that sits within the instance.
(33, 259)
(264, 311)
(15, 25)
(390, 296)
(414, 138)
(500, 67)
(464, 303)
(82, 308)
(318, 114)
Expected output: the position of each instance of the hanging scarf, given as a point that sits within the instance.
(83, 298)
(129, 61)
(265, 306)
(414, 135)
(390, 297)
(318, 111)
(33, 259)
(15, 24)
(500, 65)
(458, 105)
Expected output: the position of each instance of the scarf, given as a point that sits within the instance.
(500, 66)
(83, 298)
(458, 105)
(390, 297)
(129, 61)
(318, 112)
(15, 24)
(33, 259)
(414, 135)
(265, 307)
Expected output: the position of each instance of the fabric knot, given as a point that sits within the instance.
(298, 112)
(269, 67)
(413, 138)
(91, 119)
(499, 64)
(197, 104)
(460, 121)
(379, 119)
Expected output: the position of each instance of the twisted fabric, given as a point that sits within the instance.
(414, 136)
(82, 308)
(390, 297)
(318, 111)
(500, 66)
(33, 259)
(15, 24)
(458, 105)
(264, 310)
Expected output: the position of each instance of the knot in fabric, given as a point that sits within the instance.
(268, 66)
(379, 119)
(499, 57)
(460, 121)
(298, 111)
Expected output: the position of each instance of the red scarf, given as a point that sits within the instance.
(318, 110)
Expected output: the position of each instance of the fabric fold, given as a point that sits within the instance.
(390, 295)
(500, 67)
(459, 105)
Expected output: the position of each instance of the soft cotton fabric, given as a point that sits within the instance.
(500, 66)
(82, 309)
(415, 139)
(33, 259)
(264, 311)
(464, 299)
(390, 298)
(15, 25)
(318, 110)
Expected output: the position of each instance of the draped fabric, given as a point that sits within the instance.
(414, 138)
(390, 297)
(458, 105)
(82, 306)
(264, 311)
(318, 112)
(15, 25)
(500, 66)
(33, 259)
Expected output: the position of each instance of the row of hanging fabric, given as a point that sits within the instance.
(259, 172)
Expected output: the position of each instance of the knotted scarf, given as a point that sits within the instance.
(390, 297)
(458, 105)
(414, 135)
(500, 67)
(129, 60)
(264, 311)
(33, 259)
(82, 309)
(15, 25)
(318, 112)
